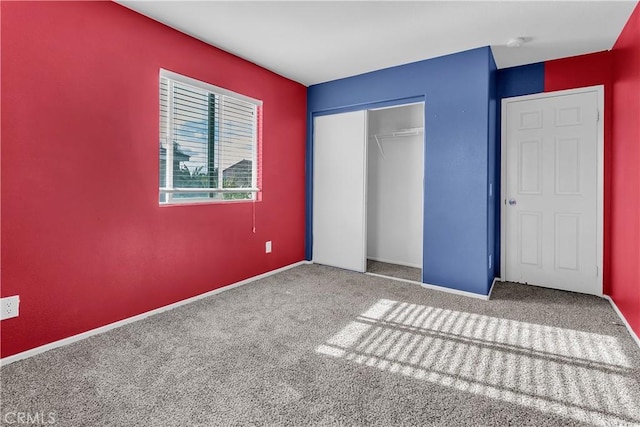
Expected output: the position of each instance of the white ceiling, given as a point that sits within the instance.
(314, 42)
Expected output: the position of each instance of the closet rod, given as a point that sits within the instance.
(400, 132)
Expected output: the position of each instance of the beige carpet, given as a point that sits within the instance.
(316, 345)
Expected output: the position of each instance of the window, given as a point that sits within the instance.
(208, 142)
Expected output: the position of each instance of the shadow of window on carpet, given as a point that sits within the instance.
(581, 375)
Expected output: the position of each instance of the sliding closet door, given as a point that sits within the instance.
(339, 221)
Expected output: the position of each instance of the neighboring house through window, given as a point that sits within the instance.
(208, 142)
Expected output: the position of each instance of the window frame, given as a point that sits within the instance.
(169, 190)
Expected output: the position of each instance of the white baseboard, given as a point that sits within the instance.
(66, 341)
(390, 261)
(495, 279)
(624, 320)
(455, 291)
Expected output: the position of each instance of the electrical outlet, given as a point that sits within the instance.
(9, 307)
(267, 247)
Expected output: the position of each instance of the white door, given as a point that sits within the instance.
(552, 190)
(339, 171)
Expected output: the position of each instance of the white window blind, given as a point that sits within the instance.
(208, 142)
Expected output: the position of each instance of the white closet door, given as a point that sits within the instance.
(339, 188)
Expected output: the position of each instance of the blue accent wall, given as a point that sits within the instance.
(456, 91)
(523, 80)
(514, 81)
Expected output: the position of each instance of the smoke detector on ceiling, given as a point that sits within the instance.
(516, 42)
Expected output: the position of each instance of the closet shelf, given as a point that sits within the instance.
(400, 132)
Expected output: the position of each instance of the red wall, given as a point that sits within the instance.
(84, 242)
(619, 71)
(625, 173)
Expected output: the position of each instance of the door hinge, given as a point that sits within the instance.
(597, 115)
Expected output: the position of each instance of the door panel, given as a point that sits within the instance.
(551, 210)
(530, 238)
(530, 162)
(339, 171)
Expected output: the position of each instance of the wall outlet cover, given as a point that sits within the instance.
(9, 307)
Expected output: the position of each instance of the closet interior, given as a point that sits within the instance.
(395, 175)
(368, 173)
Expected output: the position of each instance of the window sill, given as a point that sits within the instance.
(207, 202)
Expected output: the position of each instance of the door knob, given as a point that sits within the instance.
(512, 202)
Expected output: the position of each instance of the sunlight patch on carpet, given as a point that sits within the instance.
(576, 374)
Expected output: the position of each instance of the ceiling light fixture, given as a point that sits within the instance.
(516, 42)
